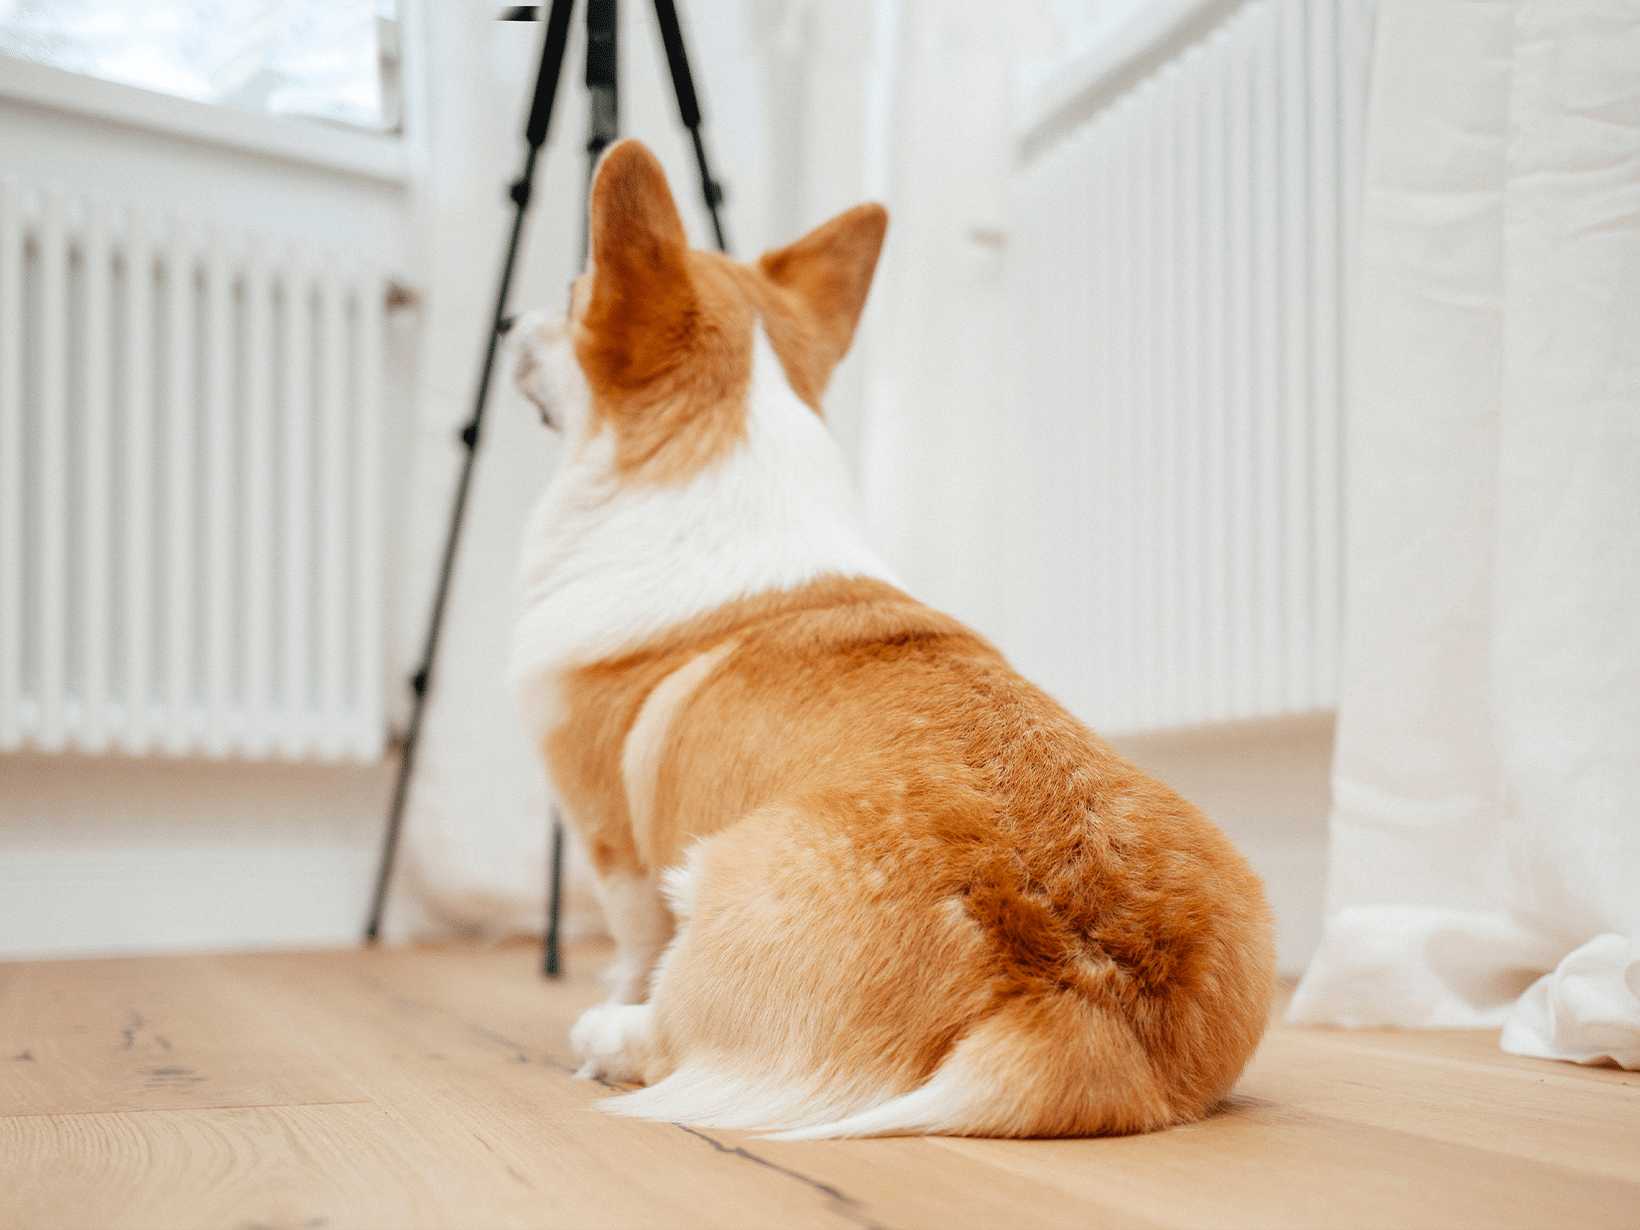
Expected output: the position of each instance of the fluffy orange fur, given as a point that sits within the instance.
(904, 851)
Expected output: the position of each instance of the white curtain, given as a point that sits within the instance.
(1485, 865)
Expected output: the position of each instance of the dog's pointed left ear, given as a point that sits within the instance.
(642, 300)
(829, 270)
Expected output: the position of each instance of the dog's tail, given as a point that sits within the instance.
(1052, 1064)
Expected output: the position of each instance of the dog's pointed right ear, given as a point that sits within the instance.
(642, 302)
(829, 270)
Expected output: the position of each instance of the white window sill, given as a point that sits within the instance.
(361, 154)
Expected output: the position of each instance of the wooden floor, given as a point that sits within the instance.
(432, 1088)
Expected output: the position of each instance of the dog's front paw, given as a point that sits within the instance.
(613, 1041)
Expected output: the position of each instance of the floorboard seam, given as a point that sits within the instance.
(841, 1204)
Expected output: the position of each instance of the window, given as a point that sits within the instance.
(334, 60)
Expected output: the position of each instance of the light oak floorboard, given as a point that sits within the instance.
(317, 1167)
(151, 1034)
(432, 1088)
(1527, 1109)
(537, 1125)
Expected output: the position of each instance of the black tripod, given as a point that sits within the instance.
(602, 87)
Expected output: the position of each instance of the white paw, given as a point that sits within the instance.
(613, 1041)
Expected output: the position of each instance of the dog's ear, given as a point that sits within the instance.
(642, 303)
(829, 271)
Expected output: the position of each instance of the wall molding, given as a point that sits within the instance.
(124, 902)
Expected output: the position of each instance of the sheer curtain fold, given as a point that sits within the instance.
(1486, 823)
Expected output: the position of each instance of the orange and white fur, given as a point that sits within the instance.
(863, 878)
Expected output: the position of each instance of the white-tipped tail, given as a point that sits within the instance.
(1040, 1066)
(946, 1105)
(1052, 1065)
(706, 1096)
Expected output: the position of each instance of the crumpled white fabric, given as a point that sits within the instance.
(1586, 1010)
(1485, 868)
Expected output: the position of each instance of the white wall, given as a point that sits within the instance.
(810, 108)
(111, 853)
(105, 854)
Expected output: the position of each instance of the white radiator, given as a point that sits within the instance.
(190, 537)
(1178, 280)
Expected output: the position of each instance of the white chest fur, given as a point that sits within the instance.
(607, 565)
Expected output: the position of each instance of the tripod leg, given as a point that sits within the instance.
(683, 85)
(603, 71)
(555, 888)
(604, 127)
(546, 87)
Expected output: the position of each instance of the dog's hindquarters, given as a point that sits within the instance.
(816, 993)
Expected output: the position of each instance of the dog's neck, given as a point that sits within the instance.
(606, 565)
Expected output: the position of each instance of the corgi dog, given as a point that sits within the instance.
(863, 878)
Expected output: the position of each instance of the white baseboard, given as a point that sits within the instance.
(108, 902)
(104, 855)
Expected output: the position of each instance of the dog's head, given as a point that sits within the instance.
(657, 345)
